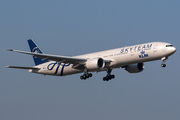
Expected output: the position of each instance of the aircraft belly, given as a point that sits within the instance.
(69, 70)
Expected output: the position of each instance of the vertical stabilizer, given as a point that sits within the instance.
(34, 48)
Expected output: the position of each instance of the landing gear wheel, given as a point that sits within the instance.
(108, 77)
(163, 65)
(90, 74)
(86, 75)
(81, 77)
(164, 60)
(113, 76)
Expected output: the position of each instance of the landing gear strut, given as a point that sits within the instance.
(108, 76)
(164, 60)
(86, 75)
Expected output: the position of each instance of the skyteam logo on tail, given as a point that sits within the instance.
(36, 50)
(143, 55)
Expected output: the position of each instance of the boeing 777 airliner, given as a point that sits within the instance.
(131, 58)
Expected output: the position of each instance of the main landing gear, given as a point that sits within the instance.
(108, 76)
(164, 60)
(86, 75)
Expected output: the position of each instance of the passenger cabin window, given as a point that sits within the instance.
(169, 45)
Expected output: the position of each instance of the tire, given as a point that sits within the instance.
(163, 65)
(90, 74)
(113, 76)
(81, 77)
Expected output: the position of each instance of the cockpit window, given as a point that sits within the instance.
(169, 45)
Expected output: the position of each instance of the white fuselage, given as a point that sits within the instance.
(119, 57)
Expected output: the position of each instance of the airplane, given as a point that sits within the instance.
(131, 58)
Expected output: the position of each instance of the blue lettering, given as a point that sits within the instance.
(149, 46)
(122, 50)
(135, 48)
(143, 55)
(52, 65)
(63, 68)
(140, 56)
(131, 48)
(144, 47)
(146, 55)
(126, 50)
(57, 68)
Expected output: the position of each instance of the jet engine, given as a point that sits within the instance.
(95, 64)
(135, 68)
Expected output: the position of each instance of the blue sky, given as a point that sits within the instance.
(77, 27)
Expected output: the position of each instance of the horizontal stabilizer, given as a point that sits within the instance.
(18, 67)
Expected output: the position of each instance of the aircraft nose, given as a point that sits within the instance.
(173, 49)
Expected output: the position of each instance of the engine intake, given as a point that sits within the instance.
(95, 64)
(135, 68)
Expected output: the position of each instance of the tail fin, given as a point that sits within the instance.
(36, 49)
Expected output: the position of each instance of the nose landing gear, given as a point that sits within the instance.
(163, 65)
(164, 60)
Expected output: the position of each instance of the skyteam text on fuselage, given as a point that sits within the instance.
(131, 58)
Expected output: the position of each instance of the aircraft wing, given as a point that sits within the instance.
(18, 67)
(58, 58)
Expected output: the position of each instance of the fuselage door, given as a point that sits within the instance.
(155, 48)
(132, 54)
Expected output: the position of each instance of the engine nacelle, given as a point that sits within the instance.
(95, 64)
(135, 68)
